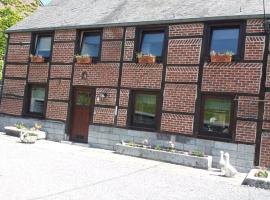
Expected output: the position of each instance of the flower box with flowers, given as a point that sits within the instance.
(167, 154)
(37, 59)
(221, 57)
(146, 58)
(83, 59)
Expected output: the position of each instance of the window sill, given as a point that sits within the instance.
(139, 128)
(32, 115)
(210, 136)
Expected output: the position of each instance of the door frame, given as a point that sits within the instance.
(73, 100)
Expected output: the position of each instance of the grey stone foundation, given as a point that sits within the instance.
(241, 155)
(55, 130)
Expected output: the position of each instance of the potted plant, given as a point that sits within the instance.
(146, 58)
(37, 58)
(83, 59)
(261, 173)
(221, 57)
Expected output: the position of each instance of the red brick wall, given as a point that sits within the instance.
(63, 52)
(14, 87)
(142, 75)
(59, 89)
(57, 110)
(103, 116)
(18, 71)
(234, 77)
(255, 26)
(18, 53)
(20, 38)
(265, 150)
(113, 33)
(182, 74)
(65, 35)
(246, 131)
(180, 98)
(122, 118)
(184, 51)
(111, 51)
(186, 30)
(130, 32)
(124, 98)
(38, 72)
(109, 100)
(11, 106)
(175, 123)
(61, 71)
(129, 50)
(254, 47)
(247, 107)
(97, 74)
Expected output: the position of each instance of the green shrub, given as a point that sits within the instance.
(197, 153)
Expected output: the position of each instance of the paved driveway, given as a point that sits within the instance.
(49, 170)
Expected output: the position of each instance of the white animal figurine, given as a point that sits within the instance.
(229, 170)
(222, 161)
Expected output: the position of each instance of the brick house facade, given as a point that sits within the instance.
(182, 81)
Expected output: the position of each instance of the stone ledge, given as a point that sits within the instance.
(257, 182)
(175, 158)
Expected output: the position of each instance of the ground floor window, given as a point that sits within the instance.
(217, 116)
(144, 109)
(36, 100)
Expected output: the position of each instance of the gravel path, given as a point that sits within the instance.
(49, 170)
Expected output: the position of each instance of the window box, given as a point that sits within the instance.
(221, 58)
(146, 59)
(37, 59)
(181, 158)
(84, 59)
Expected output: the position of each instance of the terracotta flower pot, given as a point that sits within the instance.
(221, 59)
(84, 60)
(37, 59)
(147, 59)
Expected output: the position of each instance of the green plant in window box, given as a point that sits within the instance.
(197, 153)
(146, 58)
(225, 57)
(83, 59)
(37, 58)
(157, 147)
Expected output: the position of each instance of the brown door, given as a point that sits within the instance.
(81, 114)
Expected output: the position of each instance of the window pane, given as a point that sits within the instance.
(37, 100)
(91, 45)
(145, 109)
(225, 40)
(44, 47)
(152, 43)
(83, 99)
(217, 114)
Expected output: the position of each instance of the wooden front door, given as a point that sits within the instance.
(81, 114)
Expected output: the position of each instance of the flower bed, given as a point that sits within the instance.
(167, 155)
(254, 180)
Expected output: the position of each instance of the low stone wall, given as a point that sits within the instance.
(241, 155)
(55, 130)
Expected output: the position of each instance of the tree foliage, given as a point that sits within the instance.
(11, 12)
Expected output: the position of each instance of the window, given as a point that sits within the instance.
(225, 39)
(217, 116)
(91, 44)
(43, 46)
(144, 113)
(152, 42)
(37, 100)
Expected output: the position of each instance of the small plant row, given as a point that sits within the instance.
(22, 126)
(171, 148)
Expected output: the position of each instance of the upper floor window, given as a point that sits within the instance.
(43, 46)
(152, 42)
(225, 39)
(90, 44)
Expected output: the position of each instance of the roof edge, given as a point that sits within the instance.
(171, 21)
